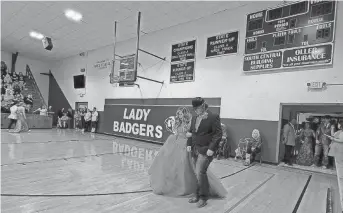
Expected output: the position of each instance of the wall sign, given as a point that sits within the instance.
(183, 62)
(103, 64)
(302, 32)
(222, 44)
(182, 72)
(183, 51)
(145, 122)
(308, 56)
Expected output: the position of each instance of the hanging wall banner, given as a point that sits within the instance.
(222, 44)
(182, 72)
(146, 122)
(308, 56)
(183, 51)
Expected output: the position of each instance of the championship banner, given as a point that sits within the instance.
(144, 122)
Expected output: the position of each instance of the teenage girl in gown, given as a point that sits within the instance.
(21, 125)
(172, 173)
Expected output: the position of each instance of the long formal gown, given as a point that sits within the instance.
(306, 155)
(21, 125)
(172, 173)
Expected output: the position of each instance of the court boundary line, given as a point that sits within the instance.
(249, 194)
(296, 207)
(104, 194)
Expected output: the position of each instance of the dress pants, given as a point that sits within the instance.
(288, 154)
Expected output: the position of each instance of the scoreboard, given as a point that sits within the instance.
(298, 34)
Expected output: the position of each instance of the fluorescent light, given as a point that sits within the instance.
(36, 35)
(73, 15)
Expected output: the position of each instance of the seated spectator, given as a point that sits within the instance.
(42, 111)
(249, 147)
(8, 95)
(14, 76)
(3, 69)
(3, 91)
(16, 87)
(7, 79)
(29, 102)
(21, 81)
(18, 97)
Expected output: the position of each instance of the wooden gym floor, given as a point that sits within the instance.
(64, 171)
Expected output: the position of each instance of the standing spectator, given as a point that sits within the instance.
(82, 116)
(21, 81)
(77, 118)
(59, 116)
(13, 116)
(323, 141)
(95, 118)
(88, 117)
(288, 140)
(70, 118)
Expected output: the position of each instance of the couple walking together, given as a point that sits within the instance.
(181, 166)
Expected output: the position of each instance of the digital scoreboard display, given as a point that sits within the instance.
(298, 34)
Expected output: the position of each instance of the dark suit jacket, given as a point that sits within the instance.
(208, 135)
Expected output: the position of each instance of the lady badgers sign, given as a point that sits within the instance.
(145, 122)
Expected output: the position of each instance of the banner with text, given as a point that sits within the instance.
(183, 51)
(222, 44)
(289, 58)
(145, 122)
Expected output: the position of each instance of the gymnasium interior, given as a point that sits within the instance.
(259, 65)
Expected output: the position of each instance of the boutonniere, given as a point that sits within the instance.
(205, 116)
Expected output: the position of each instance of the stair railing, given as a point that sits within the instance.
(30, 75)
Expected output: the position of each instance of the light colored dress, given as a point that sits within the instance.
(21, 125)
(335, 146)
(172, 173)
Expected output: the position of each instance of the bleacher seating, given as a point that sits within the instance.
(30, 88)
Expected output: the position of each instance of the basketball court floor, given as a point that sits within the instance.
(65, 171)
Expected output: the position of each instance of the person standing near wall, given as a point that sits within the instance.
(88, 117)
(95, 118)
(323, 141)
(288, 140)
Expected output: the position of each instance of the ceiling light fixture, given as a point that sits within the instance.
(73, 15)
(36, 35)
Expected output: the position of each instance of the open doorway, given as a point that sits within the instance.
(311, 116)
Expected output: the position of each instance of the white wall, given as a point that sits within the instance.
(254, 97)
(36, 67)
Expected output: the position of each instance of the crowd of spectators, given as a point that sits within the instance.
(12, 85)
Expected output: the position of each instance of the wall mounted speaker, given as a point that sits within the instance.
(47, 43)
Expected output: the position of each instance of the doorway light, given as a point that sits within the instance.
(36, 35)
(73, 15)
